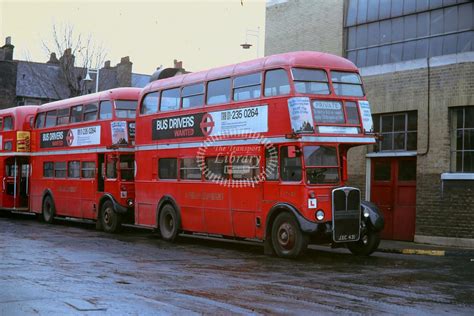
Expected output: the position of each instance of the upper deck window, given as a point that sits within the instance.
(40, 120)
(125, 108)
(347, 84)
(1, 123)
(218, 91)
(150, 103)
(193, 96)
(90, 112)
(50, 119)
(105, 110)
(7, 123)
(247, 87)
(310, 81)
(63, 116)
(76, 114)
(276, 82)
(170, 100)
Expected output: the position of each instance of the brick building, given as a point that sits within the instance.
(417, 62)
(25, 82)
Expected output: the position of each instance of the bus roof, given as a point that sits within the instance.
(293, 59)
(118, 93)
(19, 114)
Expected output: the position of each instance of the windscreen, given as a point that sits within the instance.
(125, 108)
(321, 164)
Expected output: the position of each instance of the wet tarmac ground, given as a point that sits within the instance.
(72, 269)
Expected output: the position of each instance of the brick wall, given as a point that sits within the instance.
(442, 209)
(304, 25)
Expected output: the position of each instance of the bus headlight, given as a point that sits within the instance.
(130, 202)
(320, 215)
(366, 213)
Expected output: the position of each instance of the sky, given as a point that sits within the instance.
(201, 33)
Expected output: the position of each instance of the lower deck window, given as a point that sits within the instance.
(189, 169)
(245, 168)
(88, 169)
(74, 169)
(60, 169)
(48, 169)
(168, 168)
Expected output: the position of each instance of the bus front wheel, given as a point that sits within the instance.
(287, 238)
(110, 220)
(168, 224)
(367, 244)
(48, 209)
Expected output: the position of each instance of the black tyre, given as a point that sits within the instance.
(169, 223)
(111, 221)
(366, 245)
(287, 238)
(49, 211)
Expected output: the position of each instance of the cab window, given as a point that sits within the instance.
(290, 163)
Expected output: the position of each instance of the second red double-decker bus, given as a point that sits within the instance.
(257, 150)
(15, 128)
(83, 160)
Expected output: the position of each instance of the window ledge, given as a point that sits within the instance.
(391, 154)
(457, 176)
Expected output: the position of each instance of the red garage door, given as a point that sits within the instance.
(393, 189)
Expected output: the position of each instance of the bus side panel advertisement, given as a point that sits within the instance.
(300, 115)
(73, 137)
(366, 116)
(227, 122)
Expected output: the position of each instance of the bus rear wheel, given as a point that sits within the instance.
(287, 238)
(48, 209)
(366, 245)
(110, 220)
(169, 223)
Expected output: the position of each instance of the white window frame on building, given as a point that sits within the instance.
(462, 139)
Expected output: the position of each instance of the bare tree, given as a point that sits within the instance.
(78, 53)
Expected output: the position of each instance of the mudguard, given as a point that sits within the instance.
(120, 209)
(305, 225)
(375, 221)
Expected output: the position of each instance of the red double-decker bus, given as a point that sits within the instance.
(257, 150)
(83, 159)
(15, 128)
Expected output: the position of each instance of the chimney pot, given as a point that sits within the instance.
(107, 64)
(8, 40)
(125, 60)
